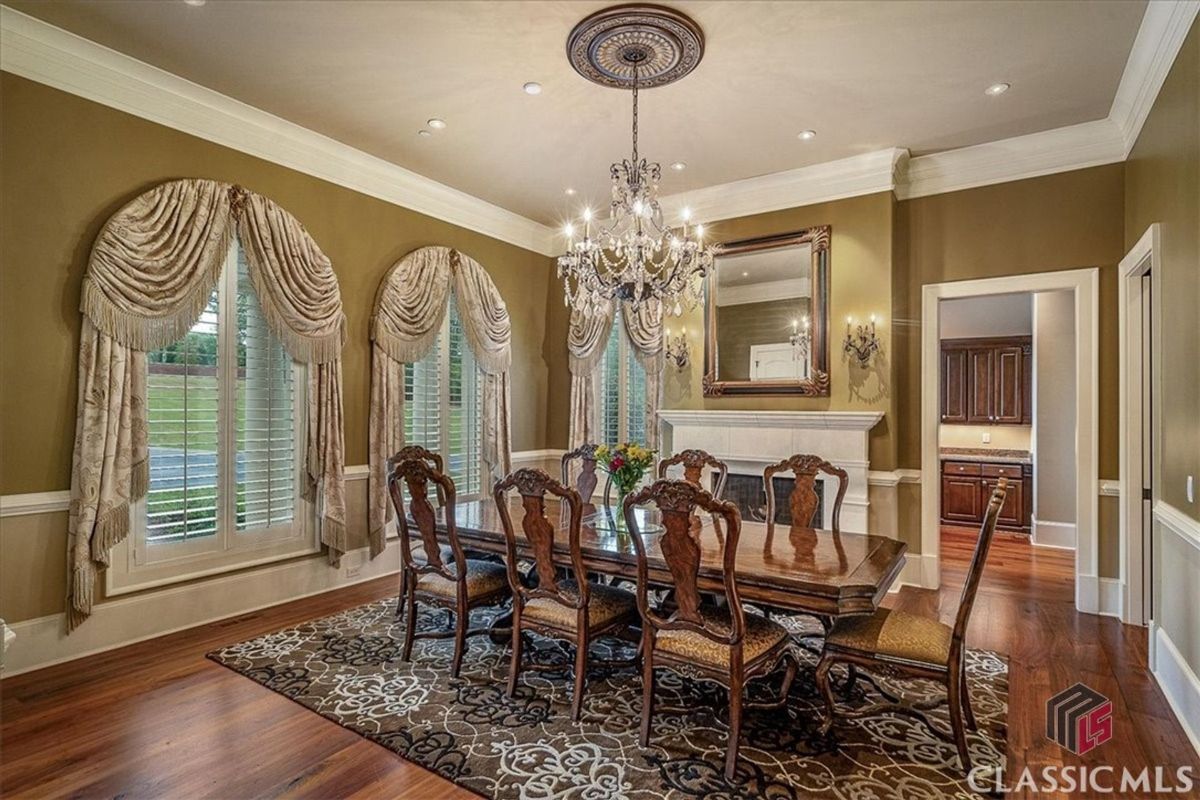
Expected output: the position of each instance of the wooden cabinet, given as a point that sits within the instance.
(987, 381)
(967, 487)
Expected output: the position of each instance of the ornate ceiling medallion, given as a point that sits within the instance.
(659, 44)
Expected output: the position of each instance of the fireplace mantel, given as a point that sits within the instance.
(749, 440)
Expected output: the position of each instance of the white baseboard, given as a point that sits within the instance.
(917, 572)
(1112, 597)
(1178, 682)
(1053, 534)
(1097, 595)
(43, 641)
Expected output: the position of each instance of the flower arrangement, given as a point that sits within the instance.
(627, 464)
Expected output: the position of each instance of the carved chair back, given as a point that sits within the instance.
(540, 533)
(415, 473)
(693, 463)
(975, 572)
(585, 482)
(681, 550)
(803, 501)
(417, 451)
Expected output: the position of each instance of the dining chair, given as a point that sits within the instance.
(803, 501)
(693, 463)
(586, 480)
(721, 643)
(897, 643)
(458, 586)
(572, 609)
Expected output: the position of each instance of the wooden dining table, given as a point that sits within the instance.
(810, 570)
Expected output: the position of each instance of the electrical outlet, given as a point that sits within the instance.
(353, 572)
(987, 438)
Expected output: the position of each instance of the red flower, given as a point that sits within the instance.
(617, 463)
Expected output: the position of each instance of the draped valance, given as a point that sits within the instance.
(409, 308)
(587, 335)
(151, 272)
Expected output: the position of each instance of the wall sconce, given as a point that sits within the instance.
(862, 343)
(677, 349)
(801, 338)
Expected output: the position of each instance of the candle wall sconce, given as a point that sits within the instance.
(801, 338)
(861, 343)
(677, 349)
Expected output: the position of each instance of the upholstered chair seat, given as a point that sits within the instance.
(762, 635)
(894, 634)
(483, 578)
(606, 604)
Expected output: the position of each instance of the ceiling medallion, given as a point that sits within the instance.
(660, 44)
(634, 255)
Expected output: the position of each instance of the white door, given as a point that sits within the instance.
(776, 362)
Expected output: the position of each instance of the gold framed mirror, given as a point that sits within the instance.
(766, 316)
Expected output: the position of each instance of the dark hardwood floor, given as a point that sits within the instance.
(157, 719)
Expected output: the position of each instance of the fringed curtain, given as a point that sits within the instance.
(409, 308)
(587, 335)
(151, 272)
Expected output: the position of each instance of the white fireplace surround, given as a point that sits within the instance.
(748, 441)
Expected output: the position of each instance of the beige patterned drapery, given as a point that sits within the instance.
(586, 336)
(644, 329)
(409, 308)
(151, 271)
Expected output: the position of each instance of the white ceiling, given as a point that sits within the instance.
(865, 75)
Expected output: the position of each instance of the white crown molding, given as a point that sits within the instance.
(868, 173)
(1163, 30)
(1088, 144)
(44, 53)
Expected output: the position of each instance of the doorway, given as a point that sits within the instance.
(1139, 390)
(1083, 287)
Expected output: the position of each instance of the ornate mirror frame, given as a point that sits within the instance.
(818, 384)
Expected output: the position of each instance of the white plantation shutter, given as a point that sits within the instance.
(183, 419)
(620, 391)
(265, 466)
(224, 416)
(443, 405)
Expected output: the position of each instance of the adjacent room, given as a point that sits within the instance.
(533, 399)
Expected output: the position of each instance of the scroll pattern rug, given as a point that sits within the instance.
(348, 669)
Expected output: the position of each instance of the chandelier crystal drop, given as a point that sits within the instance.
(634, 255)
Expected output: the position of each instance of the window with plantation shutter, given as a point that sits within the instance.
(620, 391)
(225, 416)
(443, 406)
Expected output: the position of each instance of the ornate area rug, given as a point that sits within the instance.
(348, 669)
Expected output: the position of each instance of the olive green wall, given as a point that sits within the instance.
(860, 284)
(68, 164)
(744, 325)
(1162, 184)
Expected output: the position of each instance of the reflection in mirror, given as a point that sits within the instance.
(764, 315)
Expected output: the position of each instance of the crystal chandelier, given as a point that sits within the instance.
(634, 255)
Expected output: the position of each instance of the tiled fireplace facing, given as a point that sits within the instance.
(750, 440)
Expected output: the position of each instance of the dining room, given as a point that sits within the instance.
(532, 399)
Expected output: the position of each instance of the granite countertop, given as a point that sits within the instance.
(987, 454)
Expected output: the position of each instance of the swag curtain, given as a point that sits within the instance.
(150, 274)
(586, 338)
(409, 308)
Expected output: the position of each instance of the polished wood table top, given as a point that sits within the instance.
(803, 569)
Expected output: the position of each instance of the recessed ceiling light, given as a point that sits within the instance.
(679, 166)
(806, 135)
(533, 87)
(195, 3)
(436, 124)
(996, 89)
(745, 274)
(569, 192)
(424, 132)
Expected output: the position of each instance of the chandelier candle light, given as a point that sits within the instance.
(863, 343)
(634, 255)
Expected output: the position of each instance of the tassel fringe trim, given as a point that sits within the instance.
(108, 533)
(333, 536)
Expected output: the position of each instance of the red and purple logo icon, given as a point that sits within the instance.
(1079, 719)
